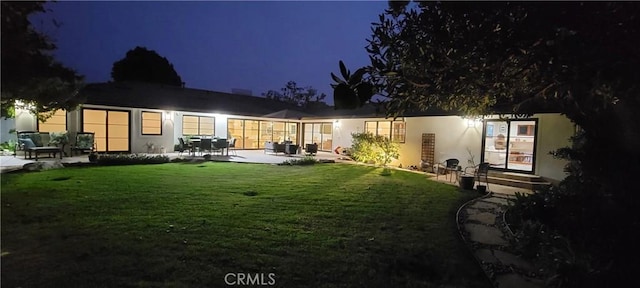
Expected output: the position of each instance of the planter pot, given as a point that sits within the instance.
(93, 158)
(466, 182)
(482, 189)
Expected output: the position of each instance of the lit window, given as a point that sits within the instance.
(196, 125)
(56, 123)
(151, 123)
(394, 130)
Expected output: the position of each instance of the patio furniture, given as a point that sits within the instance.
(291, 148)
(273, 147)
(182, 146)
(31, 142)
(232, 145)
(311, 149)
(220, 144)
(479, 171)
(205, 145)
(85, 142)
(449, 166)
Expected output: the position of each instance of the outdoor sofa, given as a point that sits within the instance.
(31, 142)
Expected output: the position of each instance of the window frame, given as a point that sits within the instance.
(142, 123)
(66, 121)
(213, 132)
(392, 129)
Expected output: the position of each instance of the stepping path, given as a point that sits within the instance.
(481, 226)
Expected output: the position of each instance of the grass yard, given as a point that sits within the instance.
(188, 225)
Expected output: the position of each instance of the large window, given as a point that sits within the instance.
(197, 125)
(56, 123)
(319, 133)
(510, 145)
(151, 123)
(251, 134)
(394, 130)
(111, 129)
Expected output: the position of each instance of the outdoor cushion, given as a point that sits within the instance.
(84, 141)
(27, 143)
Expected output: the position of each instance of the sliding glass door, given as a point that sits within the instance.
(510, 144)
(111, 128)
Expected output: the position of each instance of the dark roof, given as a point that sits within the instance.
(288, 114)
(156, 96)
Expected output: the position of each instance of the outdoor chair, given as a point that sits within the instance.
(232, 146)
(479, 171)
(311, 149)
(85, 142)
(182, 146)
(205, 145)
(450, 167)
(32, 142)
(220, 144)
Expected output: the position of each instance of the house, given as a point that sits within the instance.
(127, 116)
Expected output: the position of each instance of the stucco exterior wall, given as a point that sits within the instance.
(554, 131)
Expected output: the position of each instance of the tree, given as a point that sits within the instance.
(29, 72)
(579, 59)
(144, 65)
(298, 96)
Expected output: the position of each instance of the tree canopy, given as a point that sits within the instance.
(143, 65)
(298, 96)
(474, 56)
(29, 71)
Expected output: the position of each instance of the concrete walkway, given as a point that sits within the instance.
(481, 225)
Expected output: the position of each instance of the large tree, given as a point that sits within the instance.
(29, 71)
(299, 96)
(143, 65)
(579, 59)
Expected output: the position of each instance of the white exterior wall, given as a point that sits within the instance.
(6, 124)
(25, 121)
(554, 131)
(453, 137)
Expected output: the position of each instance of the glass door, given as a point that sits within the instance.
(522, 138)
(510, 144)
(495, 143)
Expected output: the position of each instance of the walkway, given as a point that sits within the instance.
(481, 225)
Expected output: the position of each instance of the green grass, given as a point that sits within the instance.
(187, 225)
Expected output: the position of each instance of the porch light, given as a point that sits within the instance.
(168, 115)
(471, 123)
(336, 124)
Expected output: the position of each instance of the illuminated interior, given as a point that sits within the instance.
(198, 125)
(111, 129)
(319, 133)
(56, 123)
(384, 128)
(152, 123)
(251, 134)
(510, 144)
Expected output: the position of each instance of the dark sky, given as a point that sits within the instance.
(217, 45)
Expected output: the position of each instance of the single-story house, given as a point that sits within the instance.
(127, 116)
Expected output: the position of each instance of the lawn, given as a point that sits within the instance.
(188, 225)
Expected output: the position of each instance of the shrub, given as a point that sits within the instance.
(131, 159)
(9, 145)
(377, 149)
(307, 160)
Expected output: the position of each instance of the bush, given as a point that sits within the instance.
(307, 160)
(131, 159)
(377, 149)
(9, 145)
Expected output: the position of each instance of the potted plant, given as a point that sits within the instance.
(150, 146)
(93, 157)
(482, 189)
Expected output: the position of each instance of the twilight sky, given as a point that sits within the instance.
(217, 46)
